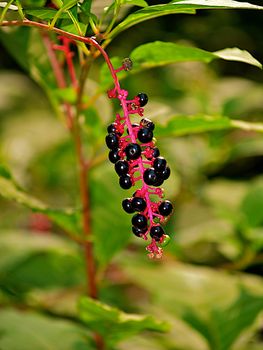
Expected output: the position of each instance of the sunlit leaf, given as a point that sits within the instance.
(186, 6)
(114, 324)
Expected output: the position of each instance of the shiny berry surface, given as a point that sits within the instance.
(125, 182)
(145, 135)
(114, 156)
(156, 232)
(133, 151)
(127, 206)
(122, 167)
(150, 176)
(147, 123)
(112, 141)
(165, 208)
(159, 164)
(143, 99)
(165, 174)
(139, 221)
(138, 204)
(139, 231)
(155, 152)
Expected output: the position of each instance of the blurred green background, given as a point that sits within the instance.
(208, 285)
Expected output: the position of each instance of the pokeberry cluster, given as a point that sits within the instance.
(136, 159)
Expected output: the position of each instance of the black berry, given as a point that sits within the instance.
(159, 164)
(150, 176)
(127, 206)
(138, 204)
(165, 208)
(112, 128)
(139, 221)
(155, 152)
(165, 173)
(156, 232)
(125, 182)
(145, 135)
(143, 99)
(139, 231)
(114, 155)
(133, 151)
(122, 167)
(147, 123)
(159, 181)
(112, 141)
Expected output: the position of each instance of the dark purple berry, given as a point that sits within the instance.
(112, 128)
(156, 232)
(143, 99)
(165, 208)
(165, 173)
(122, 167)
(133, 151)
(112, 141)
(150, 176)
(139, 221)
(156, 152)
(145, 135)
(114, 155)
(125, 182)
(139, 231)
(159, 164)
(138, 204)
(159, 181)
(147, 123)
(127, 206)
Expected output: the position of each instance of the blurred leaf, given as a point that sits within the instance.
(178, 289)
(30, 261)
(186, 6)
(67, 219)
(113, 324)
(235, 54)
(224, 326)
(110, 224)
(45, 13)
(27, 330)
(252, 205)
(187, 125)
(32, 56)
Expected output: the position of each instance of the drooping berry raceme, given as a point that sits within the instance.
(137, 160)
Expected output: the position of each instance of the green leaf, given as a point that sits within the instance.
(67, 219)
(144, 14)
(29, 261)
(252, 205)
(140, 3)
(113, 324)
(205, 293)
(186, 125)
(161, 53)
(235, 54)
(224, 326)
(45, 14)
(27, 330)
(111, 227)
(186, 6)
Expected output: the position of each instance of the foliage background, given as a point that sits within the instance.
(209, 284)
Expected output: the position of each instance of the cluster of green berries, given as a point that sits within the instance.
(137, 160)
